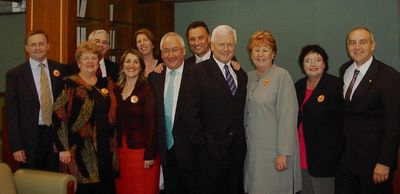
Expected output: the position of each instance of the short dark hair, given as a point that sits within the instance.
(312, 48)
(34, 32)
(196, 24)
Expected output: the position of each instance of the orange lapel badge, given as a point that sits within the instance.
(321, 98)
(56, 73)
(134, 99)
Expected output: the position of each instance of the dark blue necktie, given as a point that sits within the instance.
(229, 80)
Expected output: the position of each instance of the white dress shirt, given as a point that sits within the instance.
(348, 75)
(204, 57)
(221, 67)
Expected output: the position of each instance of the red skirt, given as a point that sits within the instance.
(134, 178)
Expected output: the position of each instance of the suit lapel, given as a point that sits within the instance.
(215, 71)
(28, 77)
(367, 81)
(54, 75)
(317, 91)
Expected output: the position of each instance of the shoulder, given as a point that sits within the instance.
(280, 72)
(18, 68)
(300, 82)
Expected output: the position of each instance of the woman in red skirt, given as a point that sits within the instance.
(136, 129)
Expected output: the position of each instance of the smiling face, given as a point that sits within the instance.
(313, 65)
(37, 47)
(131, 66)
(102, 42)
(199, 40)
(172, 52)
(360, 45)
(223, 46)
(88, 63)
(144, 45)
(262, 56)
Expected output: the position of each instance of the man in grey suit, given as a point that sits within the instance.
(30, 90)
(371, 125)
(214, 105)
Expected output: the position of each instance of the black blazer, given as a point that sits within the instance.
(322, 117)
(23, 105)
(111, 68)
(213, 115)
(185, 154)
(371, 123)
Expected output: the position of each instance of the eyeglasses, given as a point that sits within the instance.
(316, 61)
(86, 59)
(98, 41)
(174, 50)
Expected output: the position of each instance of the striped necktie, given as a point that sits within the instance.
(229, 80)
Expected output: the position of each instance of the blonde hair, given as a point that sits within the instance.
(87, 46)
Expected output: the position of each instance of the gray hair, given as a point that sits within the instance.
(174, 34)
(223, 29)
(91, 35)
(361, 28)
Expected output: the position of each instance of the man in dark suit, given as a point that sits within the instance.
(214, 105)
(31, 88)
(178, 157)
(106, 68)
(371, 125)
(198, 37)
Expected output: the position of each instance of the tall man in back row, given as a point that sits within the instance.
(214, 105)
(372, 111)
(31, 89)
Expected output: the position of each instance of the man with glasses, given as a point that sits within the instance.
(178, 157)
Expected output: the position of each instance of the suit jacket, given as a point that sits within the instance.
(371, 123)
(322, 118)
(111, 68)
(23, 105)
(214, 116)
(185, 154)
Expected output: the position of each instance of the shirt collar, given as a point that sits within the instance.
(364, 67)
(178, 70)
(204, 57)
(35, 64)
(221, 65)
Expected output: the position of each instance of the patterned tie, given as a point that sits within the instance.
(229, 80)
(46, 103)
(350, 88)
(168, 101)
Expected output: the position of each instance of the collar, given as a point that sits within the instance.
(204, 57)
(178, 70)
(362, 68)
(35, 64)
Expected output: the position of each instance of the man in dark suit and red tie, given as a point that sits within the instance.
(31, 89)
(214, 115)
(178, 156)
(371, 91)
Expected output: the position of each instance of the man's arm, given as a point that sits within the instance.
(12, 116)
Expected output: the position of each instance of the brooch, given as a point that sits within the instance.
(134, 99)
(321, 98)
(56, 73)
(104, 91)
(266, 82)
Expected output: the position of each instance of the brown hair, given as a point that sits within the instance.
(87, 46)
(34, 32)
(122, 77)
(151, 37)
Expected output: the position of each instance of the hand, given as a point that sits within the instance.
(235, 65)
(20, 156)
(381, 173)
(159, 68)
(65, 157)
(148, 163)
(281, 162)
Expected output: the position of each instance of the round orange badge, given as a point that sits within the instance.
(266, 82)
(56, 73)
(134, 99)
(321, 98)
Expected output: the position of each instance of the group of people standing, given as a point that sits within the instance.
(211, 127)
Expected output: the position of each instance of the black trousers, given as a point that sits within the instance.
(349, 182)
(220, 176)
(179, 180)
(45, 158)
